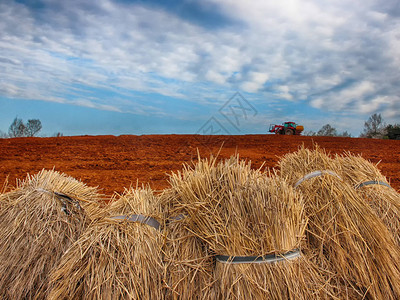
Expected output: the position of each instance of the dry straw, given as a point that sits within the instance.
(372, 186)
(39, 220)
(3, 190)
(115, 258)
(188, 261)
(4, 187)
(238, 211)
(343, 231)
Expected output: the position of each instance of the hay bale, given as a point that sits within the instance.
(373, 186)
(115, 258)
(39, 220)
(238, 211)
(343, 231)
(188, 261)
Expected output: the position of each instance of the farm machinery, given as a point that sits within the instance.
(288, 128)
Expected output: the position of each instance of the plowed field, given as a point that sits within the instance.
(115, 162)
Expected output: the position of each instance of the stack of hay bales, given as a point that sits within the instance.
(189, 263)
(343, 231)
(117, 257)
(322, 228)
(372, 186)
(254, 225)
(39, 220)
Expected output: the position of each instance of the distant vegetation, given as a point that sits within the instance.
(19, 129)
(393, 131)
(327, 130)
(374, 127)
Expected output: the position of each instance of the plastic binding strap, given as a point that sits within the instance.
(372, 182)
(270, 258)
(316, 174)
(141, 219)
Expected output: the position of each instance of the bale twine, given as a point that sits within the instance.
(188, 262)
(254, 225)
(343, 231)
(39, 220)
(372, 186)
(118, 257)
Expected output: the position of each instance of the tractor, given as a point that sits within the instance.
(288, 128)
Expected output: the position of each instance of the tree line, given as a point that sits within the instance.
(374, 127)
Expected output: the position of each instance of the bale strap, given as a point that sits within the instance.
(370, 182)
(140, 219)
(270, 258)
(63, 198)
(176, 218)
(316, 174)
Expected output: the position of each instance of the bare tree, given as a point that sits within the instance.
(374, 127)
(327, 130)
(17, 128)
(33, 127)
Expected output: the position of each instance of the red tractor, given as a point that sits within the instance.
(288, 128)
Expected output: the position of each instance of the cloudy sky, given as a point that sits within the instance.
(229, 66)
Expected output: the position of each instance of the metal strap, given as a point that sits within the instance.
(270, 258)
(178, 217)
(316, 174)
(372, 182)
(63, 198)
(140, 219)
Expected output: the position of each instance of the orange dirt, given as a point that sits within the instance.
(113, 163)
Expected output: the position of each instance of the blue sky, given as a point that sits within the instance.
(143, 67)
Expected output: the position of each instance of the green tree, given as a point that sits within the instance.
(393, 131)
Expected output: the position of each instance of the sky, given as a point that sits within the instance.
(198, 66)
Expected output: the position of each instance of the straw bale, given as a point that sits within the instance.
(383, 199)
(238, 211)
(188, 262)
(114, 258)
(36, 227)
(350, 240)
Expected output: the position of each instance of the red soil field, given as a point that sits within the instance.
(116, 162)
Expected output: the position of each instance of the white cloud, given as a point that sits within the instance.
(348, 98)
(214, 76)
(360, 90)
(255, 82)
(373, 105)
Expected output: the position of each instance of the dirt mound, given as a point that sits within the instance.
(113, 163)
